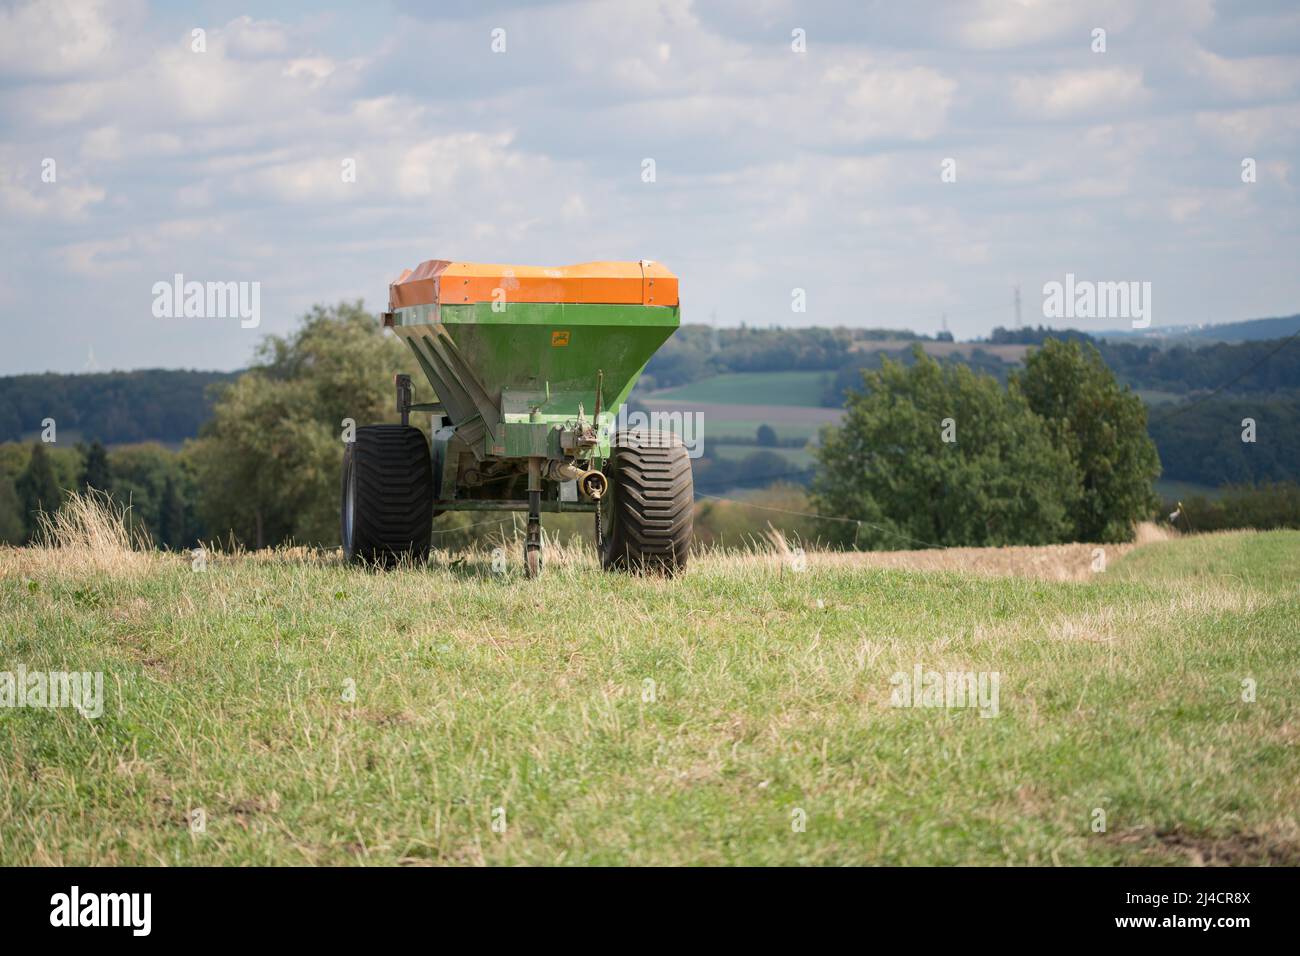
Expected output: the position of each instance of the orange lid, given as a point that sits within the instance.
(441, 282)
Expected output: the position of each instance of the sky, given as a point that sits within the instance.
(901, 165)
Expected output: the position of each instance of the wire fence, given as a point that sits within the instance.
(1183, 409)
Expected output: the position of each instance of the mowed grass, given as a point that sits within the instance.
(481, 696)
(752, 388)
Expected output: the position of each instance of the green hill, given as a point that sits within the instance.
(158, 404)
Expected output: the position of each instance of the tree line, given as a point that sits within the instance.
(171, 405)
(264, 468)
(163, 405)
(157, 484)
(1056, 450)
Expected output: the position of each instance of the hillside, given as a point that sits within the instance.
(791, 380)
(740, 714)
(1251, 330)
(158, 404)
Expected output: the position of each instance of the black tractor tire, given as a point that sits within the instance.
(649, 508)
(387, 511)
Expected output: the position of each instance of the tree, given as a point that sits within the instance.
(96, 473)
(267, 464)
(38, 490)
(345, 362)
(140, 476)
(266, 467)
(939, 455)
(171, 515)
(115, 407)
(13, 529)
(1201, 442)
(1103, 428)
(766, 436)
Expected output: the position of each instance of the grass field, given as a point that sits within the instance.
(318, 714)
(732, 427)
(752, 388)
(717, 423)
(799, 458)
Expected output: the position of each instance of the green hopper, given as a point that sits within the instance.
(529, 367)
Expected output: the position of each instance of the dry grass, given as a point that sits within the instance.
(90, 533)
(1057, 562)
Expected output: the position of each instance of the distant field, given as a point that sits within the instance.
(726, 419)
(798, 457)
(751, 388)
(723, 421)
(726, 427)
(1007, 353)
(739, 714)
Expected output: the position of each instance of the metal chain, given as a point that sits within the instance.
(600, 537)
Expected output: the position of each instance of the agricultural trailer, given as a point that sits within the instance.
(528, 368)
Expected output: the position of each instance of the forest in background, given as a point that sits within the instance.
(137, 434)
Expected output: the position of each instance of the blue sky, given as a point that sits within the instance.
(774, 169)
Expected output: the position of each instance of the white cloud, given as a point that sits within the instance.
(1003, 25)
(25, 195)
(108, 144)
(63, 38)
(98, 258)
(824, 165)
(868, 102)
(315, 70)
(247, 38)
(1072, 93)
(1247, 77)
(1248, 129)
(1182, 209)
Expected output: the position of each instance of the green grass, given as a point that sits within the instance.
(476, 691)
(752, 388)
